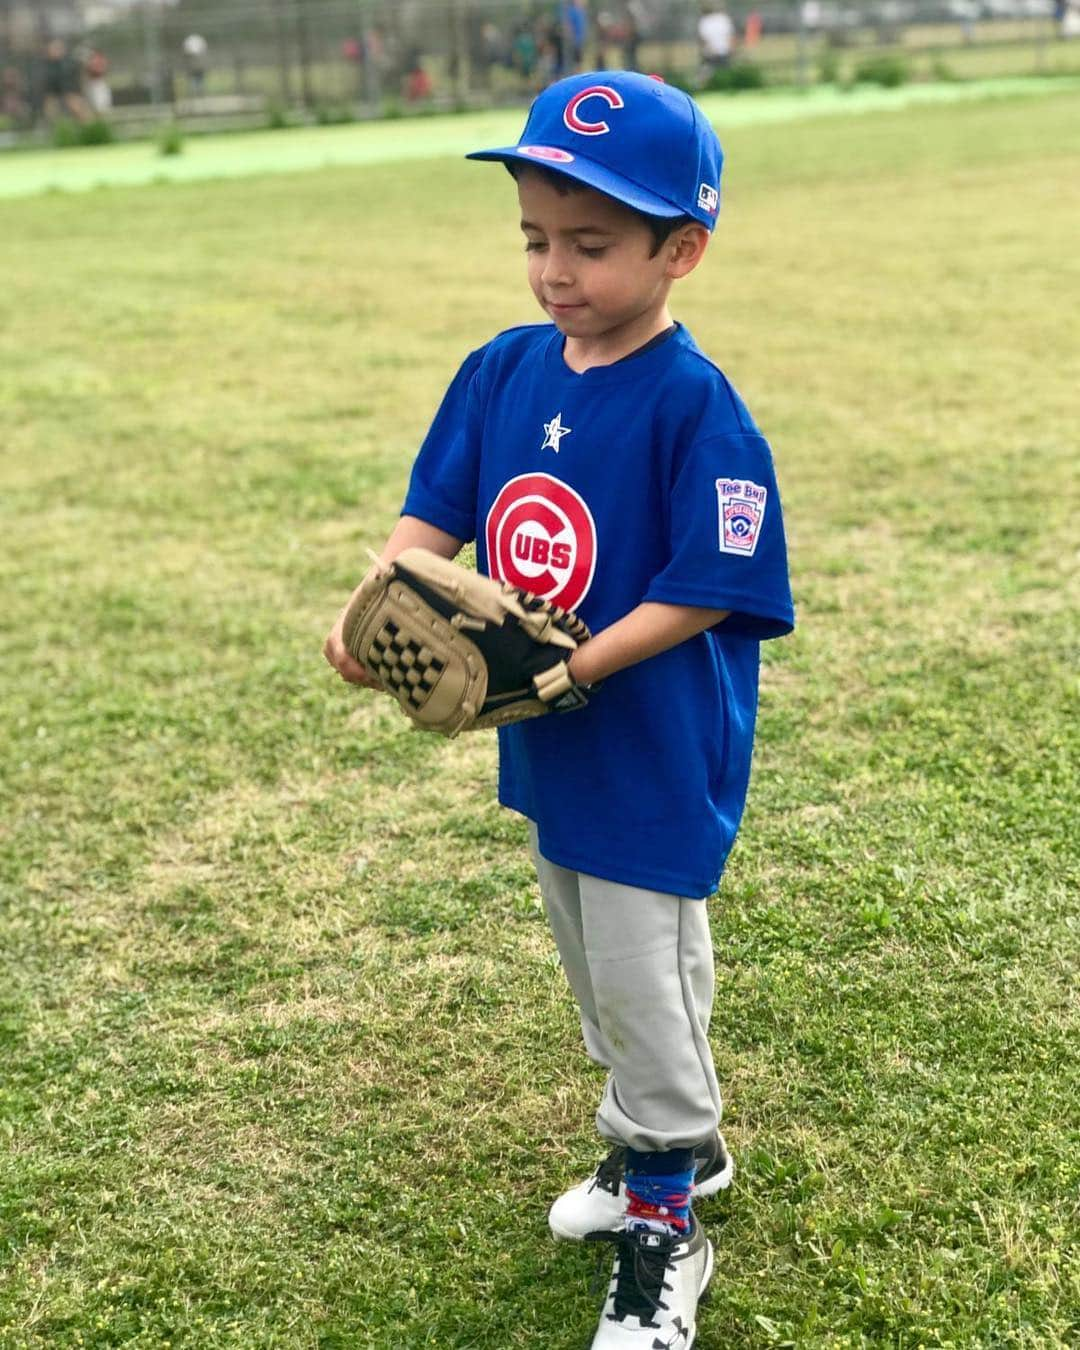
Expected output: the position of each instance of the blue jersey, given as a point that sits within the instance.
(645, 480)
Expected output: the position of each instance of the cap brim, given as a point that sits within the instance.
(590, 174)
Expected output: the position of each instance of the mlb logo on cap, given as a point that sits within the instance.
(630, 136)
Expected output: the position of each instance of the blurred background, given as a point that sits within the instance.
(78, 70)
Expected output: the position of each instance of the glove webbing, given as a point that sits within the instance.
(403, 664)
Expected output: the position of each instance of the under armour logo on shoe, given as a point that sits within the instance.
(679, 1337)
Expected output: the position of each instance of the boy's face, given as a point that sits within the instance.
(589, 263)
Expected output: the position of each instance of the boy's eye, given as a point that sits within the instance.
(533, 245)
(597, 251)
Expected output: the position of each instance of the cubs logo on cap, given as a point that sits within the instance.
(630, 136)
(576, 121)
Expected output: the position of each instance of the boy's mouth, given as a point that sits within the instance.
(557, 308)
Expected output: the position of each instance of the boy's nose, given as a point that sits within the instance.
(556, 269)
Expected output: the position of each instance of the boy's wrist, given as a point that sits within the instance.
(580, 666)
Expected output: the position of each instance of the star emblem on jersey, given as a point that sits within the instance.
(554, 431)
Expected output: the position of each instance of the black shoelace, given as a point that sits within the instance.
(639, 1282)
(609, 1174)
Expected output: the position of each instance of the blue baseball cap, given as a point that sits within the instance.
(630, 136)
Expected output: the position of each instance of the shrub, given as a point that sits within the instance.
(170, 140)
(277, 117)
(333, 114)
(65, 134)
(888, 71)
(829, 67)
(941, 70)
(736, 77)
(97, 132)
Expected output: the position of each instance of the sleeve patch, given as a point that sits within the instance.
(742, 511)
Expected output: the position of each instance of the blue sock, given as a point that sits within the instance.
(658, 1190)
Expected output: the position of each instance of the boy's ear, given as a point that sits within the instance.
(687, 248)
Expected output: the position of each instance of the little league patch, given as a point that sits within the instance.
(742, 509)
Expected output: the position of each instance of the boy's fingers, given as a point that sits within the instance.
(345, 665)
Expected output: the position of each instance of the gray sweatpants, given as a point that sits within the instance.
(640, 965)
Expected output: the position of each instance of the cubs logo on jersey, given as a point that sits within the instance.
(541, 536)
(578, 121)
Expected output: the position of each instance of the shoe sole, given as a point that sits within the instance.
(703, 1289)
(719, 1181)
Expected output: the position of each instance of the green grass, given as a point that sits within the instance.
(297, 149)
(287, 1060)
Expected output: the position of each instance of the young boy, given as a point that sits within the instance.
(603, 462)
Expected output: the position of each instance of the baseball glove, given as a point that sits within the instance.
(460, 651)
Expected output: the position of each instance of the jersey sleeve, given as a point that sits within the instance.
(443, 484)
(726, 538)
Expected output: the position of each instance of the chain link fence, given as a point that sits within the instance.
(221, 60)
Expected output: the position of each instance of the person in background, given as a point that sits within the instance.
(95, 84)
(61, 85)
(625, 31)
(524, 51)
(14, 104)
(196, 50)
(716, 33)
(575, 24)
(373, 56)
(551, 46)
(633, 27)
(417, 80)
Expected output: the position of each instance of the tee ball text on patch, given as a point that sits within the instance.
(742, 510)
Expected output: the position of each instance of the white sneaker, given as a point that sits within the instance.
(655, 1288)
(600, 1202)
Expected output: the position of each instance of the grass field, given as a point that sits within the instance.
(392, 141)
(286, 1057)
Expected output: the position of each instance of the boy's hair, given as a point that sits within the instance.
(662, 227)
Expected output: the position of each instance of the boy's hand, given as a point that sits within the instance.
(347, 667)
(409, 532)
